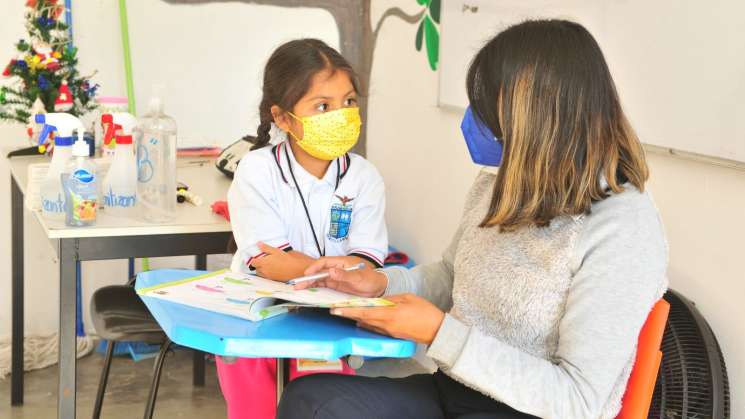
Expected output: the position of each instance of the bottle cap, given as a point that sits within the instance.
(81, 149)
(63, 141)
(156, 98)
(123, 139)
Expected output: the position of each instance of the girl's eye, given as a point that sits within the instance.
(350, 102)
(323, 107)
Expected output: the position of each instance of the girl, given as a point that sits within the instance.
(536, 306)
(303, 198)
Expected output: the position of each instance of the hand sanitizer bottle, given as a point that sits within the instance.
(120, 184)
(79, 180)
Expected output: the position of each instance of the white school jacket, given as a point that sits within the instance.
(346, 207)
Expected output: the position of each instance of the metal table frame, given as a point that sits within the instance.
(73, 250)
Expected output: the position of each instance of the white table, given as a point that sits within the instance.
(195, 231)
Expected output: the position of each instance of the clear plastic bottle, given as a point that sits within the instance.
(81, 191)
(156, 164)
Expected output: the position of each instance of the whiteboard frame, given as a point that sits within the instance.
(691, 156)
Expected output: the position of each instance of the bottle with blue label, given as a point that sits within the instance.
(81, 190)
(119, 191)
(63, 125)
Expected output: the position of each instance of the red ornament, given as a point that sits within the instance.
(64, 100)
(53, 66)
(32, 3)
(57, 10)
(6, 72)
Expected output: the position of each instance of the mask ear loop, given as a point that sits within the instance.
(290, 131)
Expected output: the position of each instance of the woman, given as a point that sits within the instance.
(536, 306)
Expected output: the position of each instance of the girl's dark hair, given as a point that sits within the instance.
(287, 78)
(544, 88)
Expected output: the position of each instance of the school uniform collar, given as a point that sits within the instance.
(282, 151)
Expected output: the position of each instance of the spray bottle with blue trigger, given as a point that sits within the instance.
(52, 192)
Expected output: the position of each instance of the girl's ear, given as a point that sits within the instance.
(281, 119)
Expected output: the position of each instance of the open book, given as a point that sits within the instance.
(251, 297)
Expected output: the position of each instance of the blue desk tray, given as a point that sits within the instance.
(308, 333)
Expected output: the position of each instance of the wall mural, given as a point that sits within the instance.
(358, 36)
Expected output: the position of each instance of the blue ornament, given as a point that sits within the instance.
(43, 82)
(22, 64)
(45, 22)
(92, 90)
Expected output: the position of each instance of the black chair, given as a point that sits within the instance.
(119, 315)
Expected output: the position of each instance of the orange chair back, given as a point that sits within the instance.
(643, 377)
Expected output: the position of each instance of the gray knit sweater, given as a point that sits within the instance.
(545, 320)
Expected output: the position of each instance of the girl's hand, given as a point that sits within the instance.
(412, 318)
(365, 282)
(280, 265)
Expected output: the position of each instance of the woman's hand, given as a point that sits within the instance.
(412, 318)
(365, 282)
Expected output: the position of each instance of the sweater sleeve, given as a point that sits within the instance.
(433, 282)
(620, 273)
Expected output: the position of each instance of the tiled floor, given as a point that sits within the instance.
(129, 382)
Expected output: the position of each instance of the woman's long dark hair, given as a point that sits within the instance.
(287, 78)
(544, 88)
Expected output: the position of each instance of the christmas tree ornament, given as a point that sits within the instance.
(64, 101)
(32, 128)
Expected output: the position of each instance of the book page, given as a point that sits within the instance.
(251, 297)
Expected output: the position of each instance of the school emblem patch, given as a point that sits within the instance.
(341, 218)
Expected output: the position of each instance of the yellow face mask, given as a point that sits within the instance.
(329, 135)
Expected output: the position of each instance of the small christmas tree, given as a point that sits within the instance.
(44, 75)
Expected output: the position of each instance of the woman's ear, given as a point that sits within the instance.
(281, 119)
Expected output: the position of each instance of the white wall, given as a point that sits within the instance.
(97, 36)
(96, 25)
(420, 152)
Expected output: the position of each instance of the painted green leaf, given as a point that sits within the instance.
(424, 2)
(432, 37)
(434, 10)
(419, 35)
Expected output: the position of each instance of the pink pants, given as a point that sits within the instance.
(249, 385)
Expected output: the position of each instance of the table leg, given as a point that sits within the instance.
(198, 367)
(280, 378)
(68, 256)
(16, 378)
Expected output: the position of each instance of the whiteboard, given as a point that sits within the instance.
(211, 59)
(679, 66)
